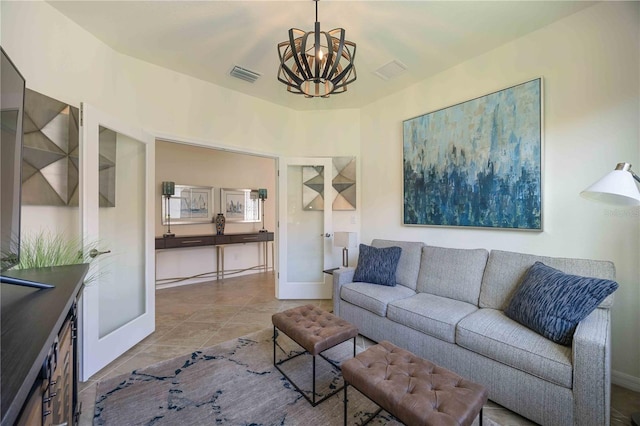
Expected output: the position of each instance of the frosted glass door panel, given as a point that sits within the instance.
(304, 234)
(121, 218)
(305, 237)
(117, 195)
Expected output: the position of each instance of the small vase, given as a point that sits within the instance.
(220, 221)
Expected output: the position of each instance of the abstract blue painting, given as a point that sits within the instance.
(477, 163)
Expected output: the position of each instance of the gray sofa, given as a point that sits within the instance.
(448, 307)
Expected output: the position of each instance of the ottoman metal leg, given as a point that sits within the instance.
(311, 400)
(313, 381)
(275, 335)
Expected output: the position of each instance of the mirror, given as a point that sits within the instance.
(240, 205)
(190, 205)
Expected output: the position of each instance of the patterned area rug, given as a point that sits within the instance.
(233, 383)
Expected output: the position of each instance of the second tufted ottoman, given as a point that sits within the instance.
(416, 391)
(316, 330)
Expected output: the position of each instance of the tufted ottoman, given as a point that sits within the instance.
(316, 331)
(416, 391)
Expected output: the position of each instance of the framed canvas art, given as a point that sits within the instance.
(477, 163)
(190, 205)
(240, 205)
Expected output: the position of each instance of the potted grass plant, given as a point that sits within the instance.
(45, 248)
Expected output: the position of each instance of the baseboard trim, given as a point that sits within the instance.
(184, 282)
(188, 281)
(625, 380)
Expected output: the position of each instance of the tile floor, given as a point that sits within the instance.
(201, 315)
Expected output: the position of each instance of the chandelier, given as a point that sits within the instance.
(317, 63)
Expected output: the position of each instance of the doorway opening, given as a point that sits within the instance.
(232, 179)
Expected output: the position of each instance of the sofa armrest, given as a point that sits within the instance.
(340, 276)
(592, 369)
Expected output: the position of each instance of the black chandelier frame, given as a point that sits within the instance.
(306, 70)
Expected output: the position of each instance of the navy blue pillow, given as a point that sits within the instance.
(552, 303)
(377, 265)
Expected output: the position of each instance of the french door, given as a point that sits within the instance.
(117, 307)
(305, 228)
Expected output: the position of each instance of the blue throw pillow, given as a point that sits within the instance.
(377, 265)
(552, 303)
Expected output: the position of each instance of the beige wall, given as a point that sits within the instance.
(590, 66)
(192, 165)
(60, 59)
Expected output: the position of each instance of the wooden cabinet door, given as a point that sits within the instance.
(61, 387)
(32, 411)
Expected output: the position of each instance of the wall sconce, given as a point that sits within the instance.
(346, 240)
(262, 195)
(168, 189)
(617, 187)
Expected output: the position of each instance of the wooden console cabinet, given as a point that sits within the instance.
(39, 355)
(212, 240)
(220, 241)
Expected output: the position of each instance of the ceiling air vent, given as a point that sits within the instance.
(244, 74)
(390, 70)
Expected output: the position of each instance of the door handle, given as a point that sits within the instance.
(327, 235)
(94, 253)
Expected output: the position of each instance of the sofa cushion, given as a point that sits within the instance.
(505, 270)
(490, 333)
(433, 315)
(377, 265)
(452, 273)
(552, 303)
(409, 263)
(374, 298)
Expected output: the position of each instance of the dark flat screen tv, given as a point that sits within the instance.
(12, 90)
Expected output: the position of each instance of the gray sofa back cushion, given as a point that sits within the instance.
(452, 273)
(409, 263)
(505, 270)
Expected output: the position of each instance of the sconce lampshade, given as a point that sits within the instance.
(344, 239)
(617, 187)
(168, 188)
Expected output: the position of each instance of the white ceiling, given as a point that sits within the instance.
(205, 39)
